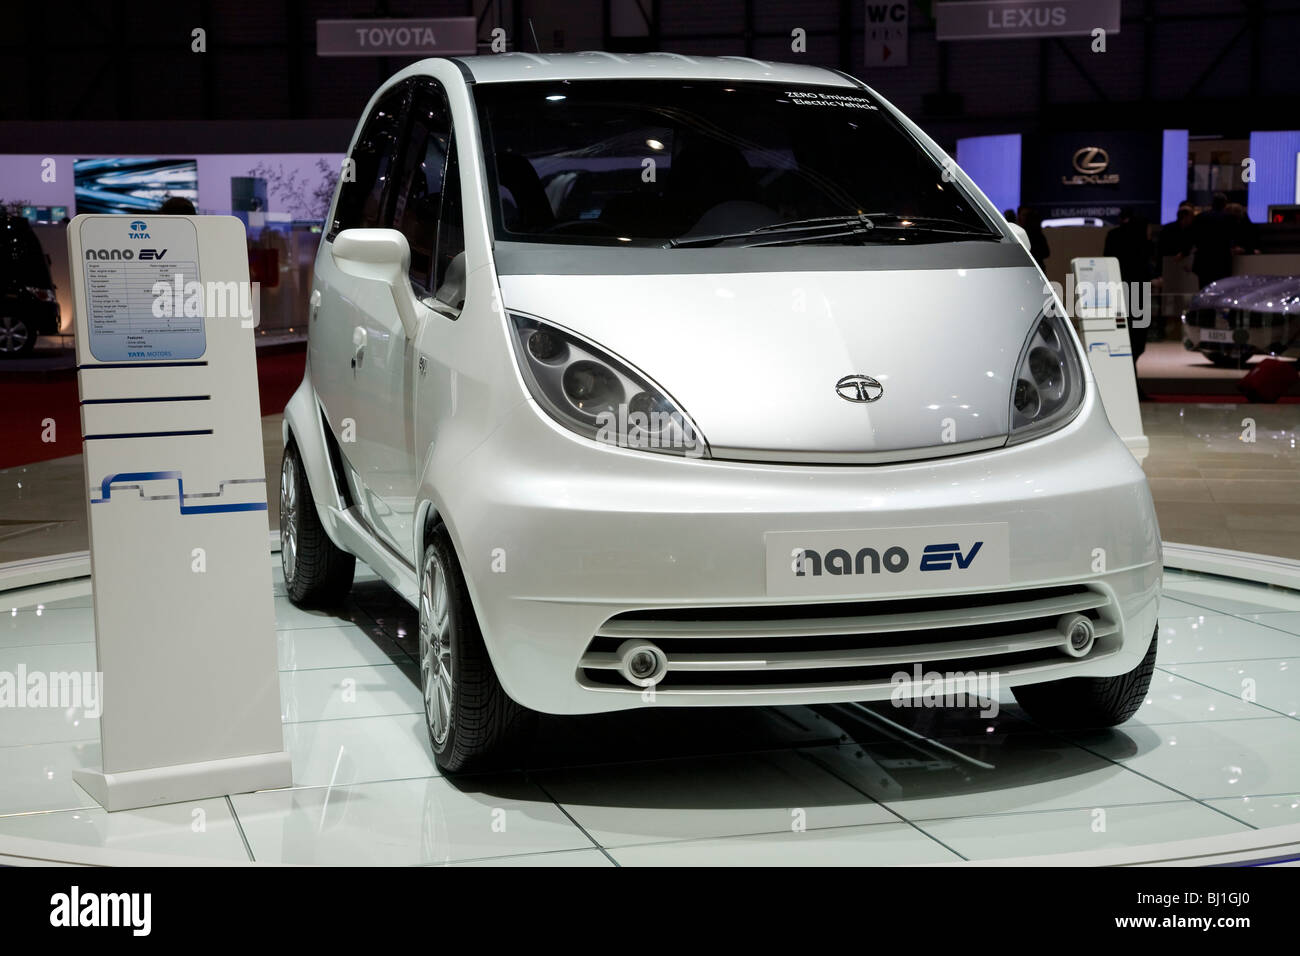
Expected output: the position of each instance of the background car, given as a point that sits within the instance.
(1235, 318)
(28, 307)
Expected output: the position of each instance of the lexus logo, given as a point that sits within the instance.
(1091, 160)
(859, 388)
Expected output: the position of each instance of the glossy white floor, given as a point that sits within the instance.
(849, 784)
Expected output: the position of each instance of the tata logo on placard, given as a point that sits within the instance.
(1090, 164)
(138, 229)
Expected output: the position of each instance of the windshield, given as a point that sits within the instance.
(619, 162)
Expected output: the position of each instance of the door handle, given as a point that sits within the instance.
(358, 346)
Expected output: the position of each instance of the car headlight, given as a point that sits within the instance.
(594, 394)
(1048, 389)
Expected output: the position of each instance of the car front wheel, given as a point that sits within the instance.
(473, 724)
(1090, 702)
(317, 573)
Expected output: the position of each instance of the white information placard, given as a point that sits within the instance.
(176, 497)
(121, 291)
(1100, 303)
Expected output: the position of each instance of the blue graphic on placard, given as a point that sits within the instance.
(107, 484)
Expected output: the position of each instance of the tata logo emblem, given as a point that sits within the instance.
(1090, 164)
(138, 229)
(859, 388)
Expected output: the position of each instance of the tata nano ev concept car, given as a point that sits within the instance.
(661, 381)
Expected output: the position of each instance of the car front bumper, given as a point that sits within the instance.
(556, 535)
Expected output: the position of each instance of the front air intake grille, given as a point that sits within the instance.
(861, 643)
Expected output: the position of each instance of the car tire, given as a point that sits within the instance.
(473, 724)
(17, 337)
(1089, 702)
(317, 573)
(1226, 361)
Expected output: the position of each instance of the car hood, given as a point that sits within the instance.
(754, 358)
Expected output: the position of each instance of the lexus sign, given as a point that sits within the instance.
(1016, 19)
(1090, 164)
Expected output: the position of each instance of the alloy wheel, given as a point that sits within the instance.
(288, 519)
(13, 334)
(435, 648)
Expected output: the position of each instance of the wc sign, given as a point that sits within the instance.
(886, 33)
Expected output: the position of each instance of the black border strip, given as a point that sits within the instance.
(129, 401)
(197, 431)
(81, 368)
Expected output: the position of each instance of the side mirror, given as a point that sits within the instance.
(1019, 232)
(380, 255)
(452, 291)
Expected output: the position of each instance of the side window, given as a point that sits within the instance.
(421, 175)
(427, 209)
(362, 202)
(451, 228)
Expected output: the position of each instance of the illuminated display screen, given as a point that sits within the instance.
(133, 185)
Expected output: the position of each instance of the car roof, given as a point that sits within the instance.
(599, 65)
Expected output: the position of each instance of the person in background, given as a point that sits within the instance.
(1243, 230)
(1130, 243)
(177, 206)
(1176, 237)
(1212, 234)
(1009, 215)
(1175, 241)
(1032, 223)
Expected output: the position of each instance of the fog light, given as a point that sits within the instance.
(1079, 633)
(641, 663)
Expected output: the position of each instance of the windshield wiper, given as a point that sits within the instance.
(893, 220)
(834, 227)
(846, 225)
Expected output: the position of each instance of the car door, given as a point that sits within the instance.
(426, 210)
(341, 305)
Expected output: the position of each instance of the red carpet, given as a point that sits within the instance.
(28, 401)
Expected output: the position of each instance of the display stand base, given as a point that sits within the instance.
(186, 781)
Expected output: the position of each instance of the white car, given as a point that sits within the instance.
(666, 381)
